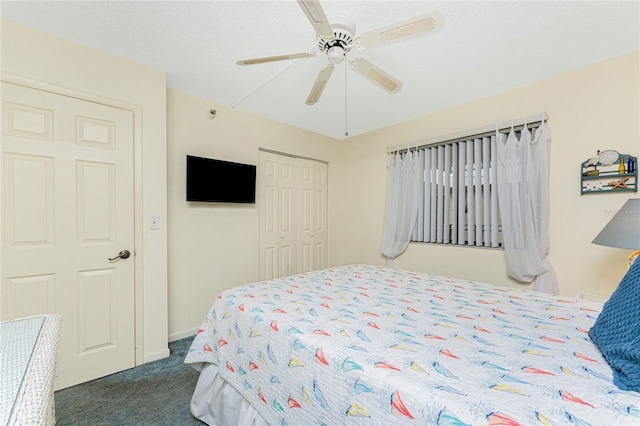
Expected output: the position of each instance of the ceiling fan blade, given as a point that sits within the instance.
(376, 75)
(421, 25)
(317, 17)
(318, 86)
(264, 59)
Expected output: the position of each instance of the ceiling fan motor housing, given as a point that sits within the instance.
(344, 29)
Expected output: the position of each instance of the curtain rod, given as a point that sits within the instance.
(532, 121)
(286, 154)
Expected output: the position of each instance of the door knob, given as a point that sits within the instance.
(124, 254)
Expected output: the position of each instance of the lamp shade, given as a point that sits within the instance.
(623, 230)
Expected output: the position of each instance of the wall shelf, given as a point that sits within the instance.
(608, 179)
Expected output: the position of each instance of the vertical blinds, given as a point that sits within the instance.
(459, 197)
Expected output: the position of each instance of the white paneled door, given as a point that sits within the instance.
(320, 211)
(292, 197)
(268, 215)
(287, 181)
(305, 214)
(67, 209)
(277, 180)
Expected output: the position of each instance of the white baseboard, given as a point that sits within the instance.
(181, 335)
(156, 355)
(172, 338)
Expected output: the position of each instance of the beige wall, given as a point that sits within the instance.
(213, 246)
(64, 66)
(597, 107)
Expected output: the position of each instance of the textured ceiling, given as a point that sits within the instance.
(484, 48)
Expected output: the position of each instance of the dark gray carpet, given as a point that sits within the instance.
(156, 393)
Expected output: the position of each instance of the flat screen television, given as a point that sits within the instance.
(220, 181)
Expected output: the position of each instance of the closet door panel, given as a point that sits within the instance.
(320, 208)
(305, 204)
(292, 198)
(287, 182)
(269, 216)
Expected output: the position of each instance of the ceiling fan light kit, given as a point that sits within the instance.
(336, 41)
(335, 55)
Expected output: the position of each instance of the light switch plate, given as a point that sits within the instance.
(154, 222)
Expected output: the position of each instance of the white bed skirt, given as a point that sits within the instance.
(216, 402)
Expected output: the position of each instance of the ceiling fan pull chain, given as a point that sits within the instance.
(346, 122)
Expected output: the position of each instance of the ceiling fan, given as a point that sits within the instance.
(338, 38)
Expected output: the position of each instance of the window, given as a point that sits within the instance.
(459, 196)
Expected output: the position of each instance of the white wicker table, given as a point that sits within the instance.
(27, 369)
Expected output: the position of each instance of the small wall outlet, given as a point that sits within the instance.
(154, 222)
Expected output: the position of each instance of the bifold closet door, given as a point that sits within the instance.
(311, 200)
(277, 215)
(292, 197)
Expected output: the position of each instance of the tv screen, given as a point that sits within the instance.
(220, 181)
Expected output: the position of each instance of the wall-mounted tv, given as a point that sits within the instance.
(220, 181)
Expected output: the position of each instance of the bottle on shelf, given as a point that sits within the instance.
(631, 167)
(621, 168)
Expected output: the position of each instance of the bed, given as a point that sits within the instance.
(28, 366)
(365, 344)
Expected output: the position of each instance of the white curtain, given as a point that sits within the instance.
(523, 196)
(403, 199)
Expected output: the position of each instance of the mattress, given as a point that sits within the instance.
(364, 344)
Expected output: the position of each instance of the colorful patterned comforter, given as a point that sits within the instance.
(369, 345)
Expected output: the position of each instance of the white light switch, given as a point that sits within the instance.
(154, 222)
